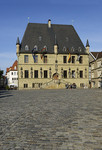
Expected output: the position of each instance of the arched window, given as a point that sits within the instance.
(26, 47)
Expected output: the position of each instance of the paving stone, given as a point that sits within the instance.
(51, 120)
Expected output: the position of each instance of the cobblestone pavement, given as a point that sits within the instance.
(51, 120)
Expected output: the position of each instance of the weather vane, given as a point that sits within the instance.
(28, 19)
(72, 22)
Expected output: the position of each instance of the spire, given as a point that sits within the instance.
(87, 43)
(18, 42)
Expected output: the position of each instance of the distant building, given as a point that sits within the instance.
(51, 56)
(96, 69)
(12, 75)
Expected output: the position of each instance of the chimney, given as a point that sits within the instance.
(49, 23)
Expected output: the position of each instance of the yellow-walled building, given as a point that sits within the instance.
(52, 56)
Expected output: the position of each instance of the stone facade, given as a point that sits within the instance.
(52, 70)
(96, 70)
(63, 78)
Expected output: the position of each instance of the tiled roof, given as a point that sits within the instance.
(12, 68)
(64, 35)
(97, 55)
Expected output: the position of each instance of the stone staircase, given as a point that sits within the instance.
(54, 84)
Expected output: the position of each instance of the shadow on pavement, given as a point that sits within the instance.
(5, 93)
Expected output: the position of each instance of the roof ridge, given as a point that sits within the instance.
(51, 24)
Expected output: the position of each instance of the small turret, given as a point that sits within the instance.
(87, 47)
(17, 46)
(87, 43)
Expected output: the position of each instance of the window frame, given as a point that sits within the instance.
(81, 59)
(25, 85)
(73, 59)
(81, 73)
(64, 59)
(26, 59)
(45, 73)
(73, 74)
(36, 59)
(45, 58)
(65, 74)
(36, 74)
(26, 74)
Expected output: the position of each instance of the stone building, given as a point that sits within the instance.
(51, 56)
(96, 69)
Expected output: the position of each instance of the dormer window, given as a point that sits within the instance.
(67, 39)
(64, 49)
(35, 48)
(72, 49)
(26, 48)
(45, 47)
(40, 38)
(79, 49)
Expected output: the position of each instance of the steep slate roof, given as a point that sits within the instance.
(66, 36)
(97, 55)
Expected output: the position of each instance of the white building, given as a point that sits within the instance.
(12, 75)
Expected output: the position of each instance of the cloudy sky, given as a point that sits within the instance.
(85, 15)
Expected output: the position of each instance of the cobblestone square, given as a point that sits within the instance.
(51, 119)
